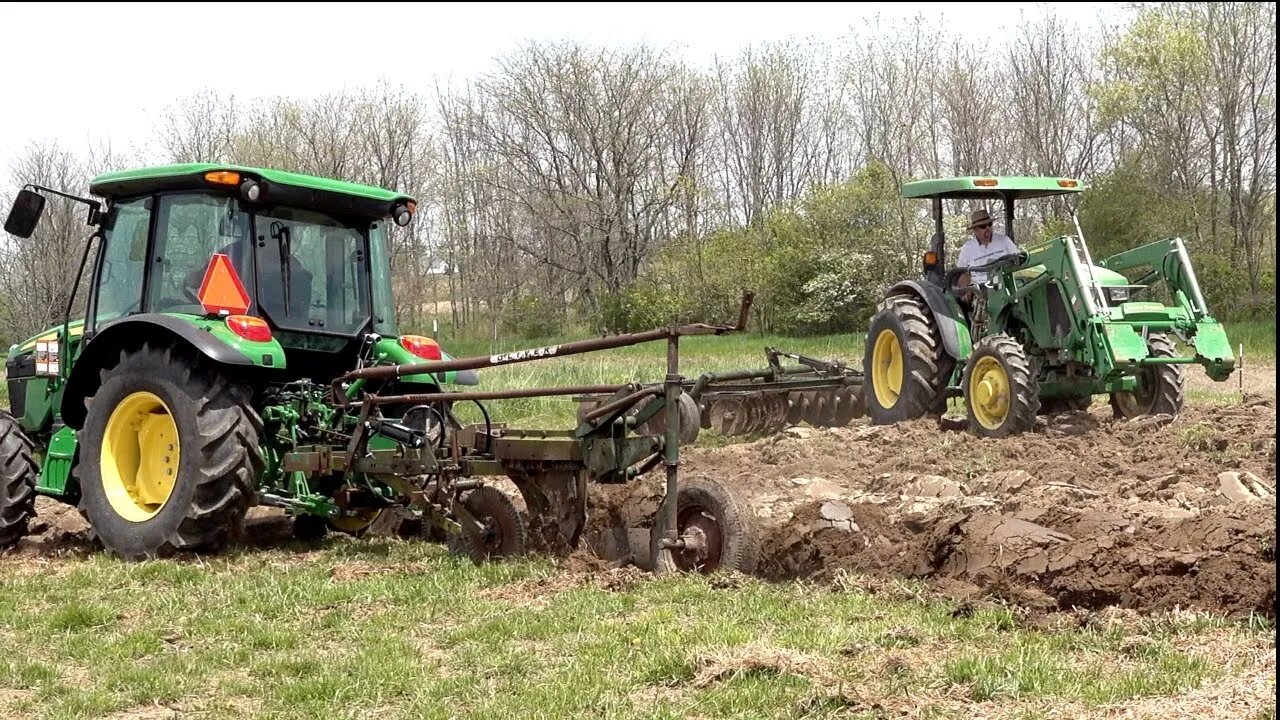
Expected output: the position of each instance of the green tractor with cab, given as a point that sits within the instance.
(221, 300)
(1044, 330)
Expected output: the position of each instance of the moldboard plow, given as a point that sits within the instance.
(437, 465)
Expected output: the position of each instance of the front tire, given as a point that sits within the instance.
(169, 456)
(905, 366)
(1160, 390)
(1001, 394)
(17, 482)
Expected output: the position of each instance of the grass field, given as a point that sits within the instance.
(392, 629)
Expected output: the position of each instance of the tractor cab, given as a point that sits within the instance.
(285, 275)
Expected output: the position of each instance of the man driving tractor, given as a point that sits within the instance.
(984, 246)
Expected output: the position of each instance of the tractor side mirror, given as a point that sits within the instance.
(25, 214)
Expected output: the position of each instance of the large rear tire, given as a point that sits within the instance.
(905, 366)
(1160, 390)
(17, 482)
(1001, 394)
(169, 455)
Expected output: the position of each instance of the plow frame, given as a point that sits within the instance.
(631, 430)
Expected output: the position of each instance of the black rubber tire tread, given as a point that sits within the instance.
(740, 549)
(220, 456)
(490, 501)
(1170, 392)
(1024, 387)
(18, 475)
(928, 366)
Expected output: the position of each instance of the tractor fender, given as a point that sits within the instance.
(84, 379)
(945, 314)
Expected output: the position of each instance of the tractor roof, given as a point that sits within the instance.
(287, 186)
(992, 187)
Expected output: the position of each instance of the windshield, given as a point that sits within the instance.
(312, 271)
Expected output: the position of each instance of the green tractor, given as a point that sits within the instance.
(1044, 330)
(219, 298)
(239, 348)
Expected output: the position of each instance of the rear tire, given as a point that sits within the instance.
(1001, 394)
(905, 366)
(169, 455)
(1160, 390)
(17, 482)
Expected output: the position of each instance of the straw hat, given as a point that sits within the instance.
(978, 218)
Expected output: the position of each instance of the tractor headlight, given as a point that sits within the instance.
(1117, 294)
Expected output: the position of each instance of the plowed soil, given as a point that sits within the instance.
(1084, 512)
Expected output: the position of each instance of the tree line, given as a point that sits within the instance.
(574, 188)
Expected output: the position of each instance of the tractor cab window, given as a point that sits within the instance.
(190, 230)
(124, 260)
(312, 271)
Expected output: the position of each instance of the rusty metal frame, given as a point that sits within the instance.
(601, 440)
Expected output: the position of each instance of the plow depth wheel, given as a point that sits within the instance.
(502, 527)
(718, 530)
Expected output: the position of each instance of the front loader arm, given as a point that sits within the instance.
(1169, 261)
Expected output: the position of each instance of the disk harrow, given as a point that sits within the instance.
(756, 402)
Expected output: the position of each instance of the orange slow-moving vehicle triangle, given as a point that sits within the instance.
(221, 291)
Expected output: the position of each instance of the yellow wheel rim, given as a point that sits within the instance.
(140, 454)
(886, 369)
(989, 393)
(355, 523)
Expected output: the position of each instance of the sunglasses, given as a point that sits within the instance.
(983, 227)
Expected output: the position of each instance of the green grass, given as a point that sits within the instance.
(396, 629)
(1258, 337)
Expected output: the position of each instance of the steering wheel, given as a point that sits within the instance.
(1011, 260)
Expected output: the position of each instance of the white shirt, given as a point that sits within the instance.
(973, 253)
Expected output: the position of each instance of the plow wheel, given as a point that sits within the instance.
(357, 523)
(690, 419)
(1160, 390)
(718, 531)
(1000, 392)
(502, 530)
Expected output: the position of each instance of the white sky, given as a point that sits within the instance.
(78, 74)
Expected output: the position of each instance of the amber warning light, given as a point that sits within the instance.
(221, 292)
